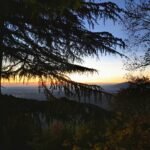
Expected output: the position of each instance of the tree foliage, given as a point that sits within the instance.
(129, 134)
(137, 23)
(129, 128)
(134, 99)
(46, 39)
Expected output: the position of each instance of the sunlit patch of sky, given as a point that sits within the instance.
(110, 68)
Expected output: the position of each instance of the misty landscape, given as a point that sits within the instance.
(34, 93)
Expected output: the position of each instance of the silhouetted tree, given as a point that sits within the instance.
(137, 23)
(134, 99)
(129, 128)
(45, 39)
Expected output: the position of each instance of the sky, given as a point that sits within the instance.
(110, 67)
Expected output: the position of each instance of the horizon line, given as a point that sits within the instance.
(36, 84)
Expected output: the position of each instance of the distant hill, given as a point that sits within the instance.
(114, 88)
(32, 92)
(28, 92)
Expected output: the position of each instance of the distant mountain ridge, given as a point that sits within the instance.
(114, 88)
(31, 91)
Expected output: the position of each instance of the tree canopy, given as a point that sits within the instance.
(135, 98)
(45, 39)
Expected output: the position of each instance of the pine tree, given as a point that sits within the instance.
(45, 39)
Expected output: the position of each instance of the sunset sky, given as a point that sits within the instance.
(110, 67)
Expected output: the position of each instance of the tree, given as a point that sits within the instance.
(137, 23)
(134, 100)
(45, 39)
(129, 129)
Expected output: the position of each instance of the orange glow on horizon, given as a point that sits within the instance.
(77, 78)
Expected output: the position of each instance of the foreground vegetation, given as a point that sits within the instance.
(24, 123)
(70, 125)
